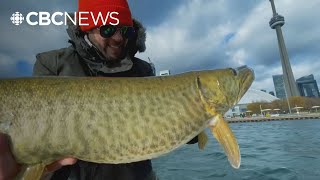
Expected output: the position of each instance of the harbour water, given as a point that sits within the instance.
(269, 151)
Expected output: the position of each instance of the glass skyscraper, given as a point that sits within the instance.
(307, 86)
(279, 86)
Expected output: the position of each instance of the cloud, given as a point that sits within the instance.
(191, 37)
(301, 39)
(10, 67)
(25, 41)
(7, 65)
(214, 34)
(152, 13)
(20, 44)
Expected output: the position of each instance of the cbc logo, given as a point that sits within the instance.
(17, 18)
(45, 18)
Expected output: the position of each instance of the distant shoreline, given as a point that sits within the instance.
(277, 118)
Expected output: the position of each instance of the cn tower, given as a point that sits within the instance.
(276, 22)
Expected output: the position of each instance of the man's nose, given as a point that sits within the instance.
(117, 36)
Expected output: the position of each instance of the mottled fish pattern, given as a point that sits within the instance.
(113, 120)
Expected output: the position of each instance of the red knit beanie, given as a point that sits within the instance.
(103, 6)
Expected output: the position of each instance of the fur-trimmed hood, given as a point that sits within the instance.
(139, 43)
(76, 36)
(94, 58)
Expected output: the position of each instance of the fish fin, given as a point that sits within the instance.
(33, 172)
(202, 140)
(226, 138)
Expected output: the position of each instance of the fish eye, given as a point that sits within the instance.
(235, 73)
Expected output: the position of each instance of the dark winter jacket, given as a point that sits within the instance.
(81, 59)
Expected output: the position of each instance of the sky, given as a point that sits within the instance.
(185, 35)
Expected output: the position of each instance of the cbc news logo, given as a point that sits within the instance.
(61, 18)
(17, 18)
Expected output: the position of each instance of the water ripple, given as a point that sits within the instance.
(278, 150)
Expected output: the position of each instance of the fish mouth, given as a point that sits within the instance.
(246, 77)
(245, 73)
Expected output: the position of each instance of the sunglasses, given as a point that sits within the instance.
(108, 31)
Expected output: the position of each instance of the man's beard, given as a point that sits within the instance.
(105, 58)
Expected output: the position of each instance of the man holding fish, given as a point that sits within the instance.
(97, 49)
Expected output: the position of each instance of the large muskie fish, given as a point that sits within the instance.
(117, 120)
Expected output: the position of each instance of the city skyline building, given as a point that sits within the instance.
(308, 86)
(279, 86)
(276, 22)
